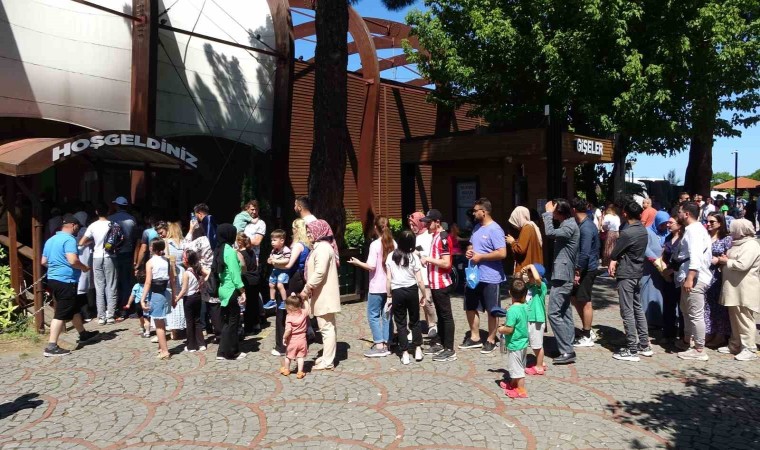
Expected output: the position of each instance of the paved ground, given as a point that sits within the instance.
(114, 394)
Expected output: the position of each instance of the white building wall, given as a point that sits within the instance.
(65, 61)
(215, 89)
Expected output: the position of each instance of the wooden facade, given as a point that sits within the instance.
(404, 113)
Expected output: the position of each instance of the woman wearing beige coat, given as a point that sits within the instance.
(741, 284)
(322, 287)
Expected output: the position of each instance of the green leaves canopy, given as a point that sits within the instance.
(650, 69)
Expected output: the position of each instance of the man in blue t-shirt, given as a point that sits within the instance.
(487, 250)
(61, 256)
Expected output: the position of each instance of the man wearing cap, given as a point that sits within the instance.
(438, 264)
(123, 259)
(61, 257)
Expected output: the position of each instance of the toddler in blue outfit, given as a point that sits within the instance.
(279, 278)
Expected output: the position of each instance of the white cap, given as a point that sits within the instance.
(121, 201)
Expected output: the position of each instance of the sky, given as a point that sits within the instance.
(748, 145)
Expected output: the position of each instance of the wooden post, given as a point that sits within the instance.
(39, 318)
(10, 206)
(142, 118)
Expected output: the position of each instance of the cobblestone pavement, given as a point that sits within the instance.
(115, 394)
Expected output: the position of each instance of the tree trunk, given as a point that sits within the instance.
(331, 139)
(617, 179)
(699, 170)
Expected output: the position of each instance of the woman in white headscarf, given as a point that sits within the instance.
(741, 284)
(527, 248)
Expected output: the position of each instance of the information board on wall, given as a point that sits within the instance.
(466, 194)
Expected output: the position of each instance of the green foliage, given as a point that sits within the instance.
(755, 175)
(720, 177)
(8, 316)
(354, 236)
(657, 72)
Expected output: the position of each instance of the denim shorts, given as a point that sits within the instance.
(279, 276)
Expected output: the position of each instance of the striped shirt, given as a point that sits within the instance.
(439, 249)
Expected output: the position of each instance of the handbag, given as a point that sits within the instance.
(472, 274)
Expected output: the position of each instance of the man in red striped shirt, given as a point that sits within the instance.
(439, 276)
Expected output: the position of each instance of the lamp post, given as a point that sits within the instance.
(736, 176)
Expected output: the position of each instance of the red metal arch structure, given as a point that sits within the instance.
(369, 35)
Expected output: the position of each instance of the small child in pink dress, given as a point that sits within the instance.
(296, 323)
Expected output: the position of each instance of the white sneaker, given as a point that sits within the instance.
(594, 336)
(101, 321)
(409, 336)
(584, 341)
(154, 340)
(694, 355)
(746, 355)
(405, 358)
(418, 354)
(110, 321)
(275, 352)
(433, 332)
(241, 355)
(725, 350)
(202, 348)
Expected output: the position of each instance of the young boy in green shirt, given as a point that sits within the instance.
(515, 331)
(533, 274)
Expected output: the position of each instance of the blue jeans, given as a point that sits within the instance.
(124, 279)
(379, 323)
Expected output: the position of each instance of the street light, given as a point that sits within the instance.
(736, 176)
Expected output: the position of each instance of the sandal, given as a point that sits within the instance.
(517, 393)
(165, 356)
(284, 371)
(300, 375)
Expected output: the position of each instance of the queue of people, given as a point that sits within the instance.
(696, 282)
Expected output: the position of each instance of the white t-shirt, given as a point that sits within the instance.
(611, 222)
(252, 229)
(696, 246)
(403, 277)
(97, 232)
(309, 219)
(707, 208)
(598, 218)
(424, 240)
(192, 282)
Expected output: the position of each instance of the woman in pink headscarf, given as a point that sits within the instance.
(321, 273)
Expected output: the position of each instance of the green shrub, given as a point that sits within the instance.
(354, 236)
(8, 314)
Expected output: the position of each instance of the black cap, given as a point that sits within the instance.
(432, 215)
(69, 218)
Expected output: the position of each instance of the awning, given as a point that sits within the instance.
(32, 156)
(743, 183)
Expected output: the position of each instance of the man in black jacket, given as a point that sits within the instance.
(627, 266)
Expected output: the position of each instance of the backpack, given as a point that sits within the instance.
(114, 238)
(212, 283)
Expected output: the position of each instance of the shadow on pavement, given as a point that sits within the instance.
(716, 412)
(26, 401)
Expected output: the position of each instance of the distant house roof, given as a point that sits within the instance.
(743, 183)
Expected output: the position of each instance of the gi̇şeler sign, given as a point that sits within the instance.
(589, 147)
(124, 140)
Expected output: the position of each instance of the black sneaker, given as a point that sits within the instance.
(469, 343)
(55, 351)
(445, 356)
(564, 358)
(487, 347)
(434, 349)
(87, 335)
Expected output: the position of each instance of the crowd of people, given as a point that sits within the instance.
(689, 276)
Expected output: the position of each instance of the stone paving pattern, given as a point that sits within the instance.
(113, 393)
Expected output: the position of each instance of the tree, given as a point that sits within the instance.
(511, 58)
(331, 139)
(710, 53)
(755, 175)
(720, 177)
(672, 178)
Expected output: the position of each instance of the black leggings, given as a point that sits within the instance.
(229, 346)
(406, 301)
(192, 308)
(442, 302)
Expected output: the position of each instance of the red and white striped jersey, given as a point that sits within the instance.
(439, 278)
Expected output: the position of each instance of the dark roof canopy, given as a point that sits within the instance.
(32, 156)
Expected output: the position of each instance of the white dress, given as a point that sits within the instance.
(175, 320)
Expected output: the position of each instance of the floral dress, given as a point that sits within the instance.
(716, 315)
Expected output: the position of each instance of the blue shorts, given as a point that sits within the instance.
(484, 298)
(160, 305)
(279, 276)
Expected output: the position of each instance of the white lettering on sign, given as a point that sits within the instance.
(589, 147)
(124, 140)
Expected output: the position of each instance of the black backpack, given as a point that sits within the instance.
(212, 283)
